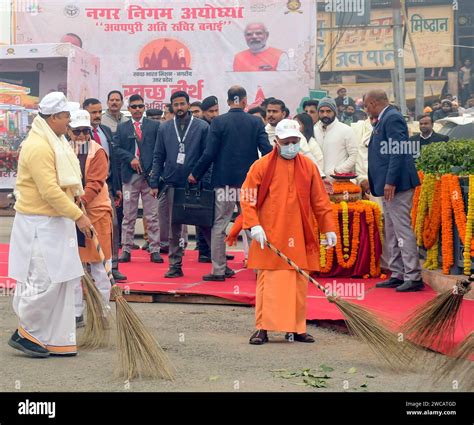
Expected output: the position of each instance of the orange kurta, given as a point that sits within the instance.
(97, 203)
(281, 291)
(247, 61)
(280, 214)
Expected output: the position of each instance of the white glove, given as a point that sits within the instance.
(259, 235)
(331, 239)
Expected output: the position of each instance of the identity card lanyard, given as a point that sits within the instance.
(181, 153)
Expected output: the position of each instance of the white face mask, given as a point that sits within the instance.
(289, 151)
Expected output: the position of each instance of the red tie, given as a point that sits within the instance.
(95, 133)
(138, 130)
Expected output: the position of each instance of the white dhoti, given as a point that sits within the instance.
(44, 260)
(102, 282)
(46, 309)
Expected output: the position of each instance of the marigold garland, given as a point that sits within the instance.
(431, 262)
(416, 199)
(344, 259)
(369, 216)
(432, 221)
(422, 207)
(346, 187)
(468, 253)
(446, 225)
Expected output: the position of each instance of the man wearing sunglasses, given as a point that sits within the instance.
(135, 142)
(94, 163)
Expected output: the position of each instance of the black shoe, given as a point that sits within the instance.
(259, 337)
(229, 257)
(174, 272)
(293, 336)
(146, 247)
(393, 282)
(155, 257)
(204, 259)
(213, 278)
(27, 346)
(135, 246)
(229, 272)
(411, 286)
(80, 323)
(118, 276)
(125, 257)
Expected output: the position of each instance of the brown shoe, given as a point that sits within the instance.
(259, 337)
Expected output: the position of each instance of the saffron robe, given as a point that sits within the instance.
(281, 291)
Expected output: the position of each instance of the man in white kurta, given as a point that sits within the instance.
(44, 258)
(337, 140)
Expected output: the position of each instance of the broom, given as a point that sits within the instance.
(361, 322)
(436, 320)
(95, 333)
(139, 352)
(460, 363)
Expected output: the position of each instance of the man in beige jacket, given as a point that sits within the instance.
(44, 257)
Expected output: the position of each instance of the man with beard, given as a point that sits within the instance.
(337, 140)
(180, 144)
(348, 115)
(113, 115)
(276, 111)
(259, 57)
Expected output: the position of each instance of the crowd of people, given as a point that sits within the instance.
(120, 159)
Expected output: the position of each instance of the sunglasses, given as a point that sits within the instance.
(141, 106)
(84, 131)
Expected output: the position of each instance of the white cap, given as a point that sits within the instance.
(56, 102)
(79, 119)
(288, 128)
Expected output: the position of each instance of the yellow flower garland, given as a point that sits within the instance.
(322, 251)
(469, 224)
(345, 229)
(427, 191)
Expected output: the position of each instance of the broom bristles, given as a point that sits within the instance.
(96, 333)
(139, 352)
(460, 364)
(367, 327)
(435, 321)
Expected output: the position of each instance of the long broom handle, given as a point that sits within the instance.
(95, 241)
(294, 265)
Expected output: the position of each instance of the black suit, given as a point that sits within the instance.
(114, 180)
(124, 143)
(434, 138)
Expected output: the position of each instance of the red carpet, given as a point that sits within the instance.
(144, 276)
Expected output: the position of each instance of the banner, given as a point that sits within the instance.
(155, 48)
(372, 48)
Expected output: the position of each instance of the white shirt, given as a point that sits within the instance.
(363, 131)
(270, 129)
(339, 146)
(313, 151)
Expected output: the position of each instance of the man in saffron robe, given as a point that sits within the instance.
(290, 194)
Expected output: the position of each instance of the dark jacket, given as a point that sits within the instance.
(390, 162)
(434, 138)
(124, 144)
(232, 145)
(166, 153)
(114, 181)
